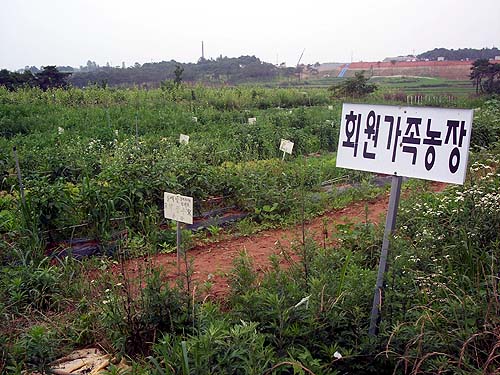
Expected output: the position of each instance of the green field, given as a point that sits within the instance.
(407, 85)
(121, 147)
(95, 164)
(425, 85)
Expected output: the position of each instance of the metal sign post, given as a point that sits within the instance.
(179, 238)
(390, 224)
(180, 209)
(420, 142)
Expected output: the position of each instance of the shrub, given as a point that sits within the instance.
(36, 348)
(133, 315)
(486, 126)
(38, 286)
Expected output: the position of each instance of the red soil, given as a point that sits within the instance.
(406, 64)
(213, 261)
(456, 70)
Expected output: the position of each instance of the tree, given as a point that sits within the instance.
(492, 82)
(355, 87)
(32, 69)
(50, 77)
(7, 80)
(91, 66)
(178, 74)
(13, 81)
(485, 76)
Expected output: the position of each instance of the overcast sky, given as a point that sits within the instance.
(70, 32)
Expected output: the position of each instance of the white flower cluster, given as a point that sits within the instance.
(428, 211)
(95, 145)
(429, 282)
(435, 218)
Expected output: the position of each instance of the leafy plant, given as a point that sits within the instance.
(133, 316)
(37, 286)
(355, 87)
(267, 212)
(36, 348)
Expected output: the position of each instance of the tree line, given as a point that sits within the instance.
(221, 70)
(460, 54)
(48, 77)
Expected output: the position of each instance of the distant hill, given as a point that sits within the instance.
(460, 54)
(221, 70)
(448, 69)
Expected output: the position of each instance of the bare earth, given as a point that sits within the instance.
(213, 261)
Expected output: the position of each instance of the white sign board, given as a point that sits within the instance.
(286, 146)
(252, 120)
(184, 139)
(178, 207)
(420, 142)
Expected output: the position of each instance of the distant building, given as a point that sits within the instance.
(401, 58)
(440, 58)
(497, 58)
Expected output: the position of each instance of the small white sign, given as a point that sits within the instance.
(420, 142)
(252, 120)
(178, 207)
(286, 146)
(184, 139)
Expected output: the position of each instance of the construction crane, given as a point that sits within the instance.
(298, 63)
(300, 58)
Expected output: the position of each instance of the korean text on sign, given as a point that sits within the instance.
(178, 207)
(420, 142)
(286, 146)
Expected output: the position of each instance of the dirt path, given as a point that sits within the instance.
(212, 261)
